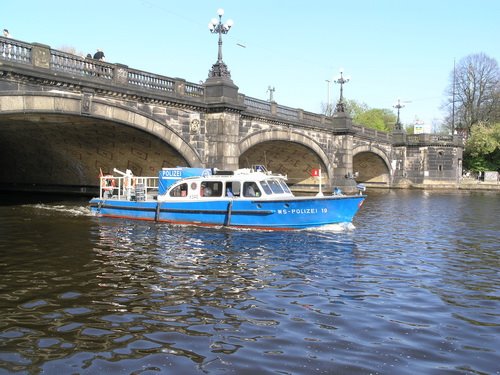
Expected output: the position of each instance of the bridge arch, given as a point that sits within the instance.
(146, 123)
(372, 165)
(296, 161)
(65, 154)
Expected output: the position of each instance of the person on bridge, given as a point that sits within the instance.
(99, 55)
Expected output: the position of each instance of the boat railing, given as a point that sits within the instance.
(130, 188)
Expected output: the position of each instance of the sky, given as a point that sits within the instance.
(390, 49)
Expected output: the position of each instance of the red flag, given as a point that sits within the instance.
(315, 172)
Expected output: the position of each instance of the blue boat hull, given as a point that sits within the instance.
(297, 213)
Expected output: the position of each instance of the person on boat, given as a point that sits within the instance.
(205, 191)
(251, 190)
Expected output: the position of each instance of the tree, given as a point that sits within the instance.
(482, 150)
(72, 50)
(375, 118)
(362, 114)
(355, 108)
(474, 91)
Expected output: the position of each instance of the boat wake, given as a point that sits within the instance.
(340, 228)
(63, 209)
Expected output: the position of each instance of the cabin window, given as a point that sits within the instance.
(179, 190)
(285, 187)
(266, 187)
(275, 186)
(211, 189)
(250, 189)
(233, 189)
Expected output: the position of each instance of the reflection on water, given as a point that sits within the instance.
(413, 288)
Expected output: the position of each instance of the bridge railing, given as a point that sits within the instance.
(15, 50)
(257, 105)
(122, 76)
(77, 65)
(287, 113)
(433, 139)
(273, 109)
(150, 81)
(59, 61)
(370, 133)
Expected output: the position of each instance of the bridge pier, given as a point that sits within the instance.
(222, 123)
(342, 176)
(222, 139)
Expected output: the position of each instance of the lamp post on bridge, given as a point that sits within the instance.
(398, 106)
(271, 92)
(219, 69)
(340, 107)
(221, 95)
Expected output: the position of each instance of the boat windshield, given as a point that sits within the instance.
(266, 187)
(285, 186)
(275, 186)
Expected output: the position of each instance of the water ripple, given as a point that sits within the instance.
(413, 288)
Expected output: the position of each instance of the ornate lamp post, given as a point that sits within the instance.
(271, 92)
(340, 107)
(219, 69)
(398, 106)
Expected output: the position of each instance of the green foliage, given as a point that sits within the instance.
(482, 150)
(375, 118)
(410, 129)
(355, 108)
(372, 119)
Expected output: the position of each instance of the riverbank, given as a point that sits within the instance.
(465, 184)
(478, 185)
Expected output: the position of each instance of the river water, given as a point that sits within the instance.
(412, 289)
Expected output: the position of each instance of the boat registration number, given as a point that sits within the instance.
(302, 211)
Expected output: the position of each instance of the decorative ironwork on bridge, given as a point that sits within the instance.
(340, 107)
(398, 106)
(219, 69)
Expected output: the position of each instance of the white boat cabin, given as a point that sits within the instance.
(242, 183)
(195, 183)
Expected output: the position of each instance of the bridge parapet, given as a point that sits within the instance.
(42, 56)
(284, 113)
(433, 140)
(256, 105)
(373, 134)
(15, 50)
(151, 87)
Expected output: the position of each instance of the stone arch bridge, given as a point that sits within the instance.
(63, 118)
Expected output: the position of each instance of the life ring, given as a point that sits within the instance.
(108, 183)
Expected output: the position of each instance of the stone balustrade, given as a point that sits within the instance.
(120, 76)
